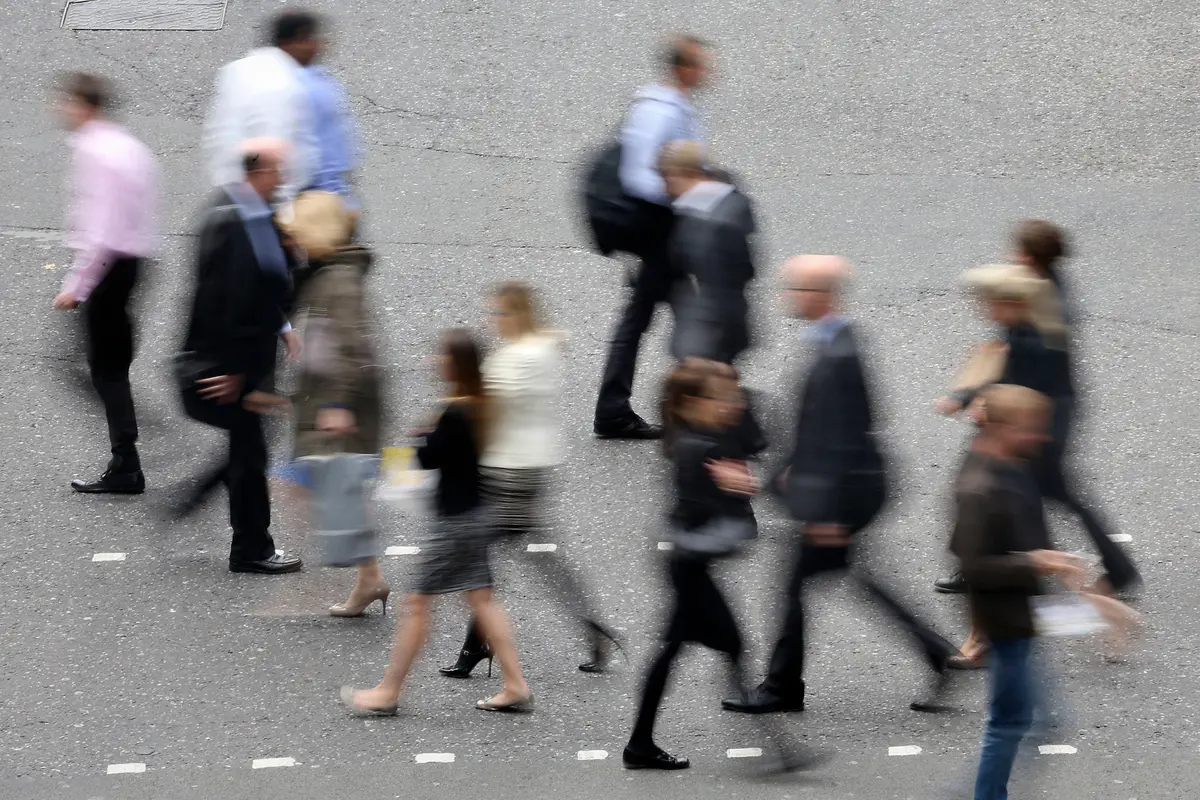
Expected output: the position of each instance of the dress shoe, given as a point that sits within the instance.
(951, 584)
(357, 606)
(631, 427)
(113, 481)
(656, 759)
(522, 705)
(934, 700)
(762, 701)
(277, 563)
(604, 642)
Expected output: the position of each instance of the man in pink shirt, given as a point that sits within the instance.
(111, 230)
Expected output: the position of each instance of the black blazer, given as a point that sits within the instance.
(711, 248)
(238, 308)
(836, 470)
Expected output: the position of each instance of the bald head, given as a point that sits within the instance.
(814, 284)
(263, 161)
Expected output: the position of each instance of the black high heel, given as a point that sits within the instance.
(467, 661)
(603, 641)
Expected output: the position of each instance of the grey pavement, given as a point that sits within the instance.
(906, 135)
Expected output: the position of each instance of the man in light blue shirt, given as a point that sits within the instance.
(661, 113)
(333, 125)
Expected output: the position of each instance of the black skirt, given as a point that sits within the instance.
(701, 614)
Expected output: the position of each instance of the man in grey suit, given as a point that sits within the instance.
(710, 248)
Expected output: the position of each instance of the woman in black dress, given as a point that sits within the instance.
(454, 558)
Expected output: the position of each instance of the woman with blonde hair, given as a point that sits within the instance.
(454, 556)
(522, 381)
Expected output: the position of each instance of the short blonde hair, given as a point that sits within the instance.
(1018, 283)
(1005, 403)
(516, 297)
(320, 223)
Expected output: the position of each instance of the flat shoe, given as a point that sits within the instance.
(347, 697)
(521, 705)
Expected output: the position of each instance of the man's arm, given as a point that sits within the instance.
(222, 131)
(983, 569)
(94, 197)
(646, 131)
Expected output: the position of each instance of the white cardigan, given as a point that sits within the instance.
(522, 380)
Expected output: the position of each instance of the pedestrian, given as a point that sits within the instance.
(338, 403)
(333, 125)
(522, 380)
(239, 311)
(833, 485)
(111, 229)
(454, 557)
(266, 94)
(1003, 549)
(660, 113)
(710, 247)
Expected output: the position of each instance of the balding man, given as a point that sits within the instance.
(238, 313)
(661, 113)
(834, 482)
(710, 247)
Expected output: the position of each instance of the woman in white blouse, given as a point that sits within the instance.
(522, 379)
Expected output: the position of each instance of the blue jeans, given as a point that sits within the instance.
(1011, 705)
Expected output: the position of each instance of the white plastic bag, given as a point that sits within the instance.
(403, 483)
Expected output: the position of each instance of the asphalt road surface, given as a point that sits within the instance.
(907, 135)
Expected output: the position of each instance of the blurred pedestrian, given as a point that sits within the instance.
(225, 372)
(111, 229)
(522, 382)
(338, 402)
(834, 484)
(333, 124)
(660, 113)
(454, 557)
(1001, 542)
(266, 95)
(710, 248)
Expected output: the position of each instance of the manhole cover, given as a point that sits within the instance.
(144, 15)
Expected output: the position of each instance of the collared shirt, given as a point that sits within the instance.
(334, 128)
(114, 188)
(262, 95)
(824, 330)
(257, 218)
(703, 197)
(660, 114)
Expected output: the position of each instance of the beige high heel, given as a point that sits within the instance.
(380, 593)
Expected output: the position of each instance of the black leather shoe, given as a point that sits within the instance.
(762, 701)
(660, 759)
(934, 701)
(113, 482)
(275, 564)
(951, 584)
(631, 427)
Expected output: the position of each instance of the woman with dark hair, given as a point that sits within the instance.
(454, 557)
(522, 382)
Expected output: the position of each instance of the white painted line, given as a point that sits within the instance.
(108, 557)
(541, 548)
(592, 755)
(267, 763)
(126, 769)
(1121, 538)
(402, 550)
(666, 545)
(434, 758)
(1057, 750)
(744, 752)
(904, 750)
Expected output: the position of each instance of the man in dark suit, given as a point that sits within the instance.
(833, 484)
(238, 315)
(710, 248)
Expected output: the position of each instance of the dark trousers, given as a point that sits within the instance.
(245, 475)
(109, 336)
(652, 285)
(786, 671)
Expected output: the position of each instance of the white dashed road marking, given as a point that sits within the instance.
(666, 545)
(904, 750)
(592, 755)
(1057, 750)
(1120, 538)
(267, 763)
(108, 557)
(125, 769)
(541, 548)
(402, 550)
(744, 752)
(434, 758)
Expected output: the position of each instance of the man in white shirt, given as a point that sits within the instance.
(264, 95)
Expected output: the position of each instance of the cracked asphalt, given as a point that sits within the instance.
(906, 135)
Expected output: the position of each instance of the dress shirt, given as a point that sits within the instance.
(660, 114)
(337, 150)
(262, 95)
(826, 328)
(522, 380)
(114, 186)
(703, 197)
